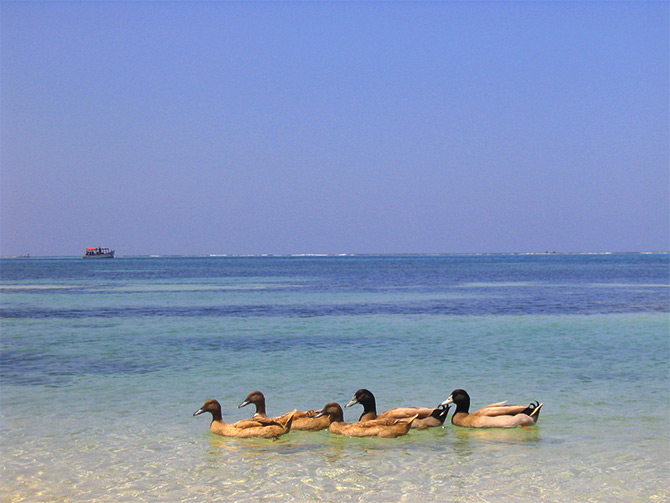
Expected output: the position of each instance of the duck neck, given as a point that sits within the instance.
(260, 408)
(216, 415)
(369, 408)
(463, 406)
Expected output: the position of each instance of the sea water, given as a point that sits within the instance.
(103, 363)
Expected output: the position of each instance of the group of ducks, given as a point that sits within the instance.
(392, 423)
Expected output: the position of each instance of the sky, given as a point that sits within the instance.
(334, 127)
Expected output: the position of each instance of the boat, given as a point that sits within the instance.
(99, 252)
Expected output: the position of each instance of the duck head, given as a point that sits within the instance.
(367, 400)
(255, 397)
(364, 397)
(333, 410)
(211, 406)
(459, 397)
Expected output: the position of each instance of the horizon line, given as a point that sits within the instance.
(372, 254)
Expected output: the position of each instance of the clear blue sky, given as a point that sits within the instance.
(334, 127)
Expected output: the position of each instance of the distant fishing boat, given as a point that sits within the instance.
(99, 252)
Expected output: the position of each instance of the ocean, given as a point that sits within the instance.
(103, 363)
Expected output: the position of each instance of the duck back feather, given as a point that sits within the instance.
(304, 420)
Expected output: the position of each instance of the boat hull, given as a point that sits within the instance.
(99, 252)
(101, 255)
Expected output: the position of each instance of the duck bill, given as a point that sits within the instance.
(351, 403)
(319, 413)
(198, 412)
(246, 402)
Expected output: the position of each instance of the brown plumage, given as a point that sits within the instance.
(496, 415)
(302, 419)
(388, 428)
(425, 417)
(259, 427)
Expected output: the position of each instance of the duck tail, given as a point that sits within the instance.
(533, 409)
(536, 411)
(440, 413)
(410, 420)
(288, 421)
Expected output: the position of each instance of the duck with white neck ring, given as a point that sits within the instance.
(496, 415)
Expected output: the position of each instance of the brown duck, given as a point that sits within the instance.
(496, 415)
(388, 428)
(302, 419)
(425, 417)
(260, 427)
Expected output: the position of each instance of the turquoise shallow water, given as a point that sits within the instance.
(104, 362)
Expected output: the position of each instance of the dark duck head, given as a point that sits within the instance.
(367, 400)
(460, 398)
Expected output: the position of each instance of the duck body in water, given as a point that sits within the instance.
(425, 417)
(247, 428)
(388, 428)
(496, 415)
(303, 420)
